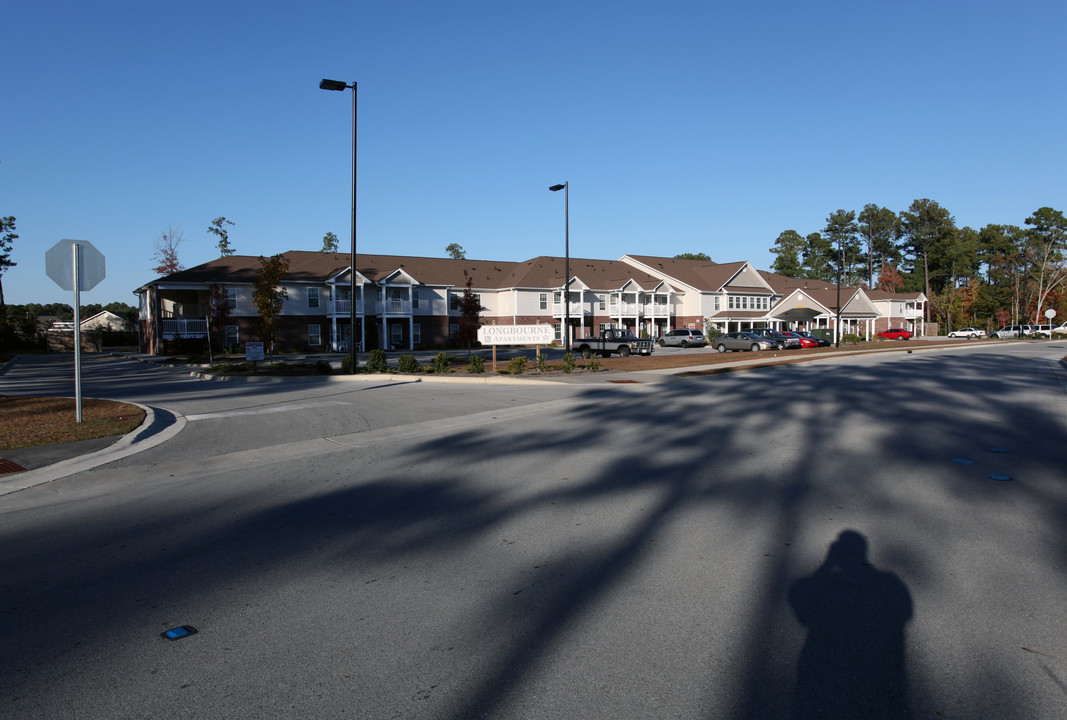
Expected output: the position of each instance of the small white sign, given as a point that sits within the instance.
(1050, 313)
(516, 334)
(253, 351)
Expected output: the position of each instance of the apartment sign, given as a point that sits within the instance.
(516, 334)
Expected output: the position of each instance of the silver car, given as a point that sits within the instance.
(684, 338)
(743, 341)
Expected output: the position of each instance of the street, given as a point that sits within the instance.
(877, 536)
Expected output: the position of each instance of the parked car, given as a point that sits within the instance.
(822, 342)
(967, 333)
(784, 341)
(743, 341)
(1044, 331)
(895, 334)
(683, 338)
(804, 342)
(1011, 331)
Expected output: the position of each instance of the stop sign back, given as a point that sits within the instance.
(59, 264)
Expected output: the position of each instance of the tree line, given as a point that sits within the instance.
(997, 275)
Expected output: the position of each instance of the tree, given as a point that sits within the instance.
(788, 248)
(268, 294)
(889, 279)
(470, 315)
(692, 256)
(329, 243)
(7, 240)
(218, 308)
(166, 257)
(817, 257)
(456, 251)
(879, 228)
(841, 233)
(927, 230)
(218, 227)
(1046, 244)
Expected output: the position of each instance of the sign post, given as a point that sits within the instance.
(75, 265)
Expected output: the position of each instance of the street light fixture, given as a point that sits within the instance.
(566, 188)
(353, 356)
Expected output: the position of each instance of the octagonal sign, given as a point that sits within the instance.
(59, 264)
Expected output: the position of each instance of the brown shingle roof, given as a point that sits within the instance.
(703, 275)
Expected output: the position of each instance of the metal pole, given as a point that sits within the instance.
(353, 355)
(76, 249)
(567, 264)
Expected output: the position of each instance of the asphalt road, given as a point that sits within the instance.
(881, 536)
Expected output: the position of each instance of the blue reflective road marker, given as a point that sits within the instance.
(179, 632)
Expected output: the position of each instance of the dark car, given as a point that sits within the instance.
(684, 338)
(784, 341)
(743, 341)
(822, 342)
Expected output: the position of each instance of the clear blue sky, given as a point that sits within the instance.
(681, 126)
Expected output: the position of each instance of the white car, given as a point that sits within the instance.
(967, 333)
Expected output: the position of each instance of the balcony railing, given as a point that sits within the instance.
(344, 307)
(657, 310)
(576, 308)
(184, 328)
(396, 306)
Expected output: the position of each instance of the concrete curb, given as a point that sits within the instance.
(143, 438)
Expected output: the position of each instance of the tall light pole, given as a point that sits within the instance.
(353, 356)
(566, 188)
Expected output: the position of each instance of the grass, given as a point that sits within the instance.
(34, 421)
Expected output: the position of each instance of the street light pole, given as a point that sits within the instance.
(353, 356)
(840, 269)
(566, 188)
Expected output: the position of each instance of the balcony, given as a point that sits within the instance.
(576, 309)
(396, 306)
(344, 307)
(657, 310)
(175, 328)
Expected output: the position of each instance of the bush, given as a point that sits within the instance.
(442, 363)
(593, 365)
(346, 365)
(567, 364)
(407, 364)
(323, 367)
(376, 362)
(851, 339)
(477, 365)
(517, 365)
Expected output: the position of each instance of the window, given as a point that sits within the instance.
(396, 335)
(732, 302)
(559, 330)
(313, 298)
(231, 336)
(314, 335)
(542, 301)
(603, 301)
(416, 333)
(557, 297)
(453, 330)
(414, 298)
(614, 301)
(718, 305)
(231, 298)
(606, 326)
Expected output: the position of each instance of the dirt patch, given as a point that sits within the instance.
(36, 421)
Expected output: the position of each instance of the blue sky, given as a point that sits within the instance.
(681, 126)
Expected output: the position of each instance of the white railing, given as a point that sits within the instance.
(344, 307)
(184, 327)
(657, 310)
(626, 309)
(576, 308)
(396, 306)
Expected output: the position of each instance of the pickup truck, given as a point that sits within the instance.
(622, 342)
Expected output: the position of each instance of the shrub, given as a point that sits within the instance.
(407, 364)
(567, 364)
(442, 363)
(376, 362)
(477, 365)
(346, 365)
(517, 365)
(593, 365)
(323, 367)
(851, 339)
(541, 363)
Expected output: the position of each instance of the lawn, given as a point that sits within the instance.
(35, 421)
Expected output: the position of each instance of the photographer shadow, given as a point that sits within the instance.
(852, 664)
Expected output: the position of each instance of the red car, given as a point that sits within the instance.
(805, 342)
(895, 334)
